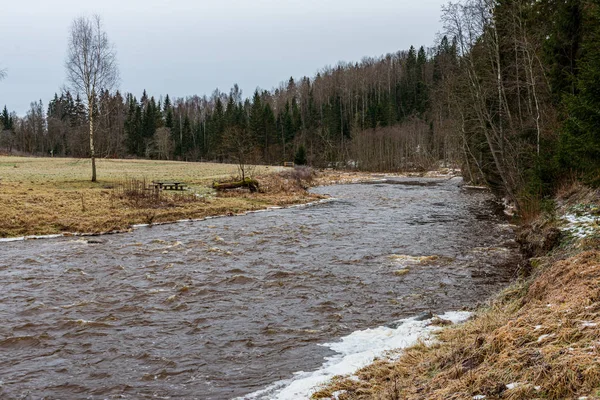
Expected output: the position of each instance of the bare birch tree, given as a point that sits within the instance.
(91, 67)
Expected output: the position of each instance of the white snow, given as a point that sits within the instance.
(336, 395)
(544, 337)
(354, 352)
(581, 225)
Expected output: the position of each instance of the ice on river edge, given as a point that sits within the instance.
(354, 352)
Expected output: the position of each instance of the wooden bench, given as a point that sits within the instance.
(288, 164)
(168, 185)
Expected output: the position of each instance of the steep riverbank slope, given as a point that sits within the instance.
(537, 339)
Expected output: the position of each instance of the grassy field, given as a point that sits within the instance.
(55, 195)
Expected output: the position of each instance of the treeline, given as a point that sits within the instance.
(376, 114)
(510, 92)
(525, 92)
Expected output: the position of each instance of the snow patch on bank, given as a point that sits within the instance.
(581, 225)
(355, 351)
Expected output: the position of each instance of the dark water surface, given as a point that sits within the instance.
(223, 307)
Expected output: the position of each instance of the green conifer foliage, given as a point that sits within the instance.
(580, 141)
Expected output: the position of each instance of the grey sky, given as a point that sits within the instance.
(185, 47)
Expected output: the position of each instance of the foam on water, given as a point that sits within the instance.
(354, 352)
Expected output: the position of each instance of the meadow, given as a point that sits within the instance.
(40, 196)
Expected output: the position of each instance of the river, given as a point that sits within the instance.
(221, 308)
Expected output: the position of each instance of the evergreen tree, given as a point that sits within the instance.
(288, 127)
(187, 139)
(7, 120)
(133, 128)
(217, 129)
(78, 113)
(296, 116)
(580, 142)
(270, 128)
(562, 44)
(168, 111)
(256, 125)
(421, 91)
(300, 157)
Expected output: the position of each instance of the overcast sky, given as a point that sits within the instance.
(186, 47)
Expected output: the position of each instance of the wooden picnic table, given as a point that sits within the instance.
(168, 185)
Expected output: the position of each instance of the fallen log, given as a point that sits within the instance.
(251, 184)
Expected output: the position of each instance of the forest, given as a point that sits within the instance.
(510, 92)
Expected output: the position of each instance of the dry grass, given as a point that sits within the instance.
(75, 173)
(54, 195)
(542, 335)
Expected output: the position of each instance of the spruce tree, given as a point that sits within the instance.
(187, 139)
(6, 119)
(256, 125)
(421, 91)
(300, 157)
(562, 44)
(168, 112)
(580, 141)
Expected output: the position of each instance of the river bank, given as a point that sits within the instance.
(536, 339)
(49, 196)
(53, 196)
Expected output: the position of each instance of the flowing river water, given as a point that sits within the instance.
(221, 308)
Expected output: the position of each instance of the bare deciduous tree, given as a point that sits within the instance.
(164, 144)
(241, 146)
(91, 67)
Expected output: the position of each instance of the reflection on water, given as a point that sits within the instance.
(223, 307)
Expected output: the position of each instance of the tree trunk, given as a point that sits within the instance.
(251, 184)
(92, 152)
